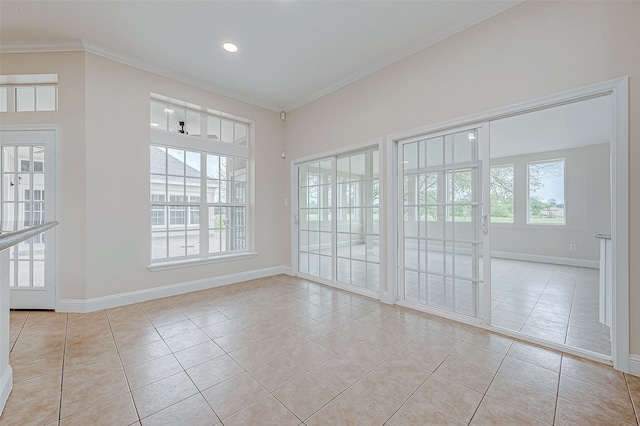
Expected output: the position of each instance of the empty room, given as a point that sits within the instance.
(319, 213)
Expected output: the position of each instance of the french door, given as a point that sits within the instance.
(443, 222)
(337, 218)
(27, 198)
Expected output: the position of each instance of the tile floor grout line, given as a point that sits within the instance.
(64, 353)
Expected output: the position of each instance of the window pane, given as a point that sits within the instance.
(227, 131)
(158, 116)
(502, 204)
(213, 128)
(46, 98)
(240, 135)
(158, 245)
(3, 99)
(546, 193)
(25, 98)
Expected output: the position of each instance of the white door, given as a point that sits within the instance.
(443, 224)
(28, 195)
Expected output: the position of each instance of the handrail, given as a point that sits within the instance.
(10, 239)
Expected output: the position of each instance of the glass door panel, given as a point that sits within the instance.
(338, 220)
(441, 183)
(27, 197)
(315, 219)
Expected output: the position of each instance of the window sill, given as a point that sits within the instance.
(184, 263)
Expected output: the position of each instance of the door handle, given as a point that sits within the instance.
(484, 226)
(295, 219)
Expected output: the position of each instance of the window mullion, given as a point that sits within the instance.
(204, 210)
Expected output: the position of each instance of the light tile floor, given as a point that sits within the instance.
(558, 303)
(284, 351)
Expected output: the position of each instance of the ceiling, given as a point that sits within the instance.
(290, 52)
(569, 126)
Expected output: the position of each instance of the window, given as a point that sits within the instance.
(501, 188)
(546, 204)
(199, 192)
(28, 92)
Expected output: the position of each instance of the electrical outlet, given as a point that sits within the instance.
(572, 247)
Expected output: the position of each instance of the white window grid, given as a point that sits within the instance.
(213, 215)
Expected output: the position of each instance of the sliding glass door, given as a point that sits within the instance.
(338, 221)
(442, 222)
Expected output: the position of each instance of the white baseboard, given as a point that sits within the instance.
(546, 259)
(634, 364)
(106, 302)
(6, 383)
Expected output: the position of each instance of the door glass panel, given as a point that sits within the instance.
(355, 229)
(441, 213)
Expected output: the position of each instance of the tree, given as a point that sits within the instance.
(536, 206)
(502, 191)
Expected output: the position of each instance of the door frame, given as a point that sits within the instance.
(618, 90)
(52, 258)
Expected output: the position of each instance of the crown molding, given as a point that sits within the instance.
(40, 46)
(77, 45)
(175, 75)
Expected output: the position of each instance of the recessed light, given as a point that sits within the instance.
(230, 47)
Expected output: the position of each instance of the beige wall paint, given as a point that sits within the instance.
(104, 173)
(71, 155)
(117, 163)
(532, 50)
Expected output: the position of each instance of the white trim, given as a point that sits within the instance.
(106, 302)
(337, 152)
(571, 350)
(477, 322)
(6, 384)
(389, 199)
(42, 46)
(620, 221)
(546, 259)
(634, 364)
(182, 263)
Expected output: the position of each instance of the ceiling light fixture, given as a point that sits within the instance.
(230, 47)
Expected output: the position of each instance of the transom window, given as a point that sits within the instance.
(28, 92)
(199, 184)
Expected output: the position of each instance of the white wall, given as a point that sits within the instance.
(587, 199)
(532, 50)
